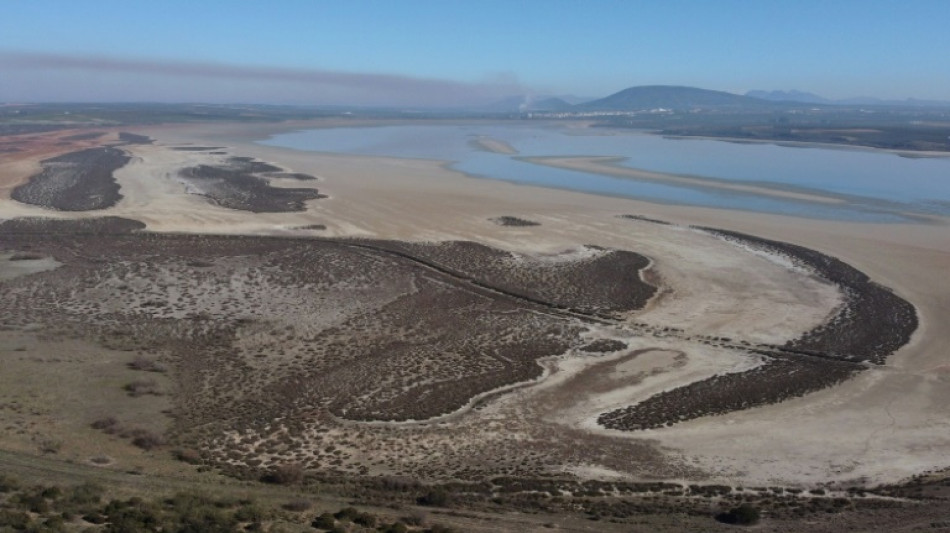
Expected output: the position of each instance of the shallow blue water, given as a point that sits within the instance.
(875, 186)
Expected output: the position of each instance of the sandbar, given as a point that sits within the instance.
(609, 166)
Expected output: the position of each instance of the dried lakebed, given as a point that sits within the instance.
(324, 352)
(84, 180)
(872, 323)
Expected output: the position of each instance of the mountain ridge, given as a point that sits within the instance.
(797, 96)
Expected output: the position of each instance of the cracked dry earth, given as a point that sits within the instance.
(437, 361)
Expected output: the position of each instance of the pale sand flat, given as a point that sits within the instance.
(888, 423)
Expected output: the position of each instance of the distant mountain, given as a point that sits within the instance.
(678, 98)
(672, 97)
(811, 98)
(789, 96)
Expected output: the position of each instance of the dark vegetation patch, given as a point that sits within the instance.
(514, 221)
(636, 502)
(84, 136)
(251, 165)
(605, 283)
(143, 387)
(314, 227)
(257, 329)
(241, 183)
(188, 455)
(604, 346)
(133, 138)
(85, 507)
(297, 506)
(743, 515)
(86, 226)
(137, 436)
(108, 424)
(237, 322)
(299, 176)
(873, 323)
(147, 364)
(285, 474)
(77, 181)
(657, 506)
(646, 219)
(780, 378)
(144, 439)
(25, 256)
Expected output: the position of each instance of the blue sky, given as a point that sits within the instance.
(408, 52)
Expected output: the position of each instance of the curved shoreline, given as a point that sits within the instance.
(710, 189)
(872, 324)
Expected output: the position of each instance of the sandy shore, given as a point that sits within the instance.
(889, 423)
(609, 166)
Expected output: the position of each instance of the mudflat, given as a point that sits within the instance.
(606, 341)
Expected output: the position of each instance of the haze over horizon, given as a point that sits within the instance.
(417, 53)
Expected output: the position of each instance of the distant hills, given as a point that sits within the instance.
(812, 98)
(525, 103)
(633, 99)
(671, 97)
(788, 96)
(679, 98)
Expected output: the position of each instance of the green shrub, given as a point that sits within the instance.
(146, 440)
(33, 502)
(249, 513)
(435, 498)
(346, 514)
(147, 365)
(206, 520)
(288, 474)
(188, 455)
(15, 520)
(297, 506)
(95, 518)
(324, 521)
(8, 483)
(55, 523)
(744, 515)
(51, 493)
(365, 520)
(133, 516)
(142, 387)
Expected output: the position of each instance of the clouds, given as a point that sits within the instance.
(39, 76)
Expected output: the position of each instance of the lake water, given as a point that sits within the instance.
(873, 186)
